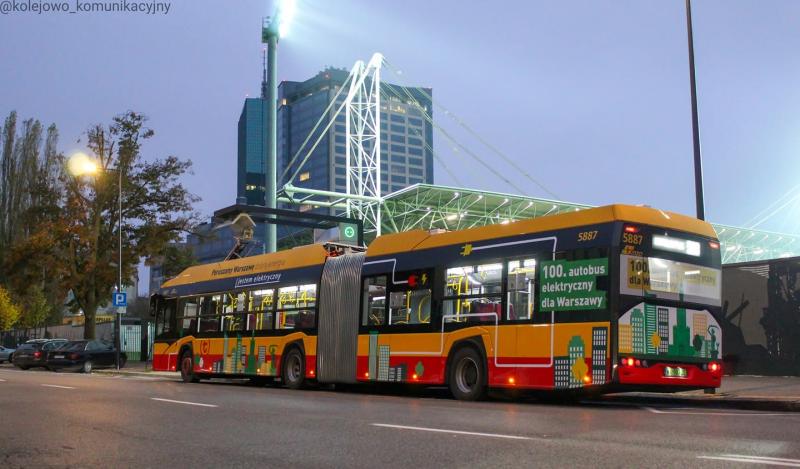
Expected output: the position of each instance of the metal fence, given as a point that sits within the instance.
(136, 340)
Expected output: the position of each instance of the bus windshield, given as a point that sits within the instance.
(671, 267)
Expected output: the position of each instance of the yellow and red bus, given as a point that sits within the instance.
(609, 298)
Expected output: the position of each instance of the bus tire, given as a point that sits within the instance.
(187, 368)
(293, 372)
(467, 377)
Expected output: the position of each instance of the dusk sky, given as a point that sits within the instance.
(591, 97)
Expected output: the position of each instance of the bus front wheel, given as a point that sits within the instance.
(187, 368)
(467, 378)
(294, 370)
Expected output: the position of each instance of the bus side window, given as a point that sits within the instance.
(262, 305)
(209, 320)
(374, 301)
(166, 323)
(188, 320)
(521, 289)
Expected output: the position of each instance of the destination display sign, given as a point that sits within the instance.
(572, 285)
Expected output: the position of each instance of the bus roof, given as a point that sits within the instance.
(421, 239)
(301, 256)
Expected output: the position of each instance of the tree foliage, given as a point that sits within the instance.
(59, 232)
(156, 209)
(30, 193)
(9, 311)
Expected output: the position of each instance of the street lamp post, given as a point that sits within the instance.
(81, 164)
(276, 28)
(698, 162)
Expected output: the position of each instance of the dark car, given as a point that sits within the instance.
(33, 353)
(85, 355)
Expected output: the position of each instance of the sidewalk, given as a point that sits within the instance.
(135, 368)
(775, 393)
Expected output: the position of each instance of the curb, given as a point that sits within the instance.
(723, 401)
(149, 374)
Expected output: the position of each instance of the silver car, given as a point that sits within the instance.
(6, 354)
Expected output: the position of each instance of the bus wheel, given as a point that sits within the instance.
(294, 370)
(187, 368)
(467, 375)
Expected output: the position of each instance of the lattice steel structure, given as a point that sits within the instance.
(363, 143)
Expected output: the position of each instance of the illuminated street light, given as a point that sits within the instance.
(78, 165)
(273, 29)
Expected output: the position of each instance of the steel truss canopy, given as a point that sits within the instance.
(429, 207)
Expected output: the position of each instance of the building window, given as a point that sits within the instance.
(398, 179)
(414, 141)
(399, 159)
(398, 128)
(415, 151)
(415, 121)
(398, 118)
(416, 161)
(340, 128)
(398, 149)
(305, 176)
(398, 169)
(398, 139)
(415, 171)
(341, 182)
(340, 171)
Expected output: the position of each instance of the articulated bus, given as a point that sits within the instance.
(604, 299)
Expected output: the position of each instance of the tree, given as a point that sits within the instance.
(157, 208)
(9, 311)
(30, 194)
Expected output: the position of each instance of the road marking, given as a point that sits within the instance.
(183, 402)
(57, 386)
(754, 459)
(736, 414)
(456, 432)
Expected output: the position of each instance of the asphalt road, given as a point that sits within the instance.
(75, 420)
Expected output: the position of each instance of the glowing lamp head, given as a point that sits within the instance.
(713, 366)
(286, 12)
(79, 164)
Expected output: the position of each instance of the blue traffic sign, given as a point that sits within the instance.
(121, 299)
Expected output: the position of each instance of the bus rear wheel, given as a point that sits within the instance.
(187, 368)
(294, 370)
(467, 378)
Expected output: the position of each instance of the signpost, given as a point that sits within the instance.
(120, 301)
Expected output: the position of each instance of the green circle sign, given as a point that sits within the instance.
(349, 232)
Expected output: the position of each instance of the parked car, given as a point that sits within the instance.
(85, 355)
(33, 353)
(6, 354)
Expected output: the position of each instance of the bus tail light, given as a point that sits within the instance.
(587, 379)
(511, 380)
(631, 229)
(627, 361)
(713, 366)
(713, 244)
